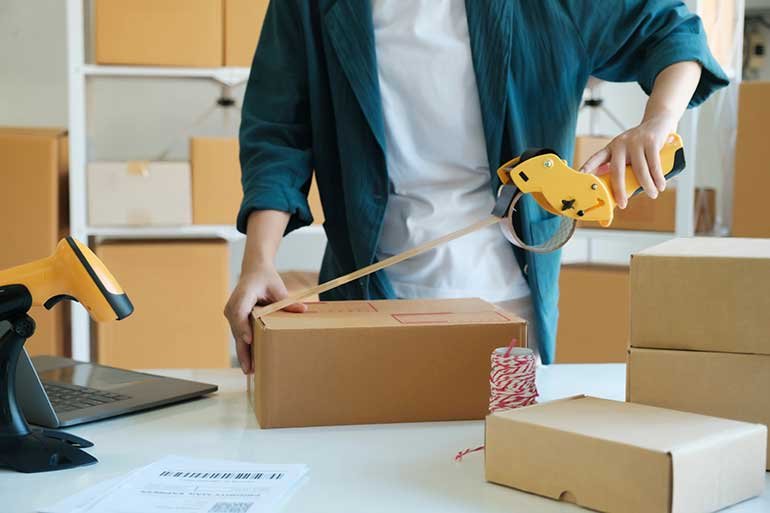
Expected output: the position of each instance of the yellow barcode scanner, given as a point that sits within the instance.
(564, 191)
(74, 273)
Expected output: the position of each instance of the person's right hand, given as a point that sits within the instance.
(261, 286)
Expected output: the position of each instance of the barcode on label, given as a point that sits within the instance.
(230, 507)
(224, 475)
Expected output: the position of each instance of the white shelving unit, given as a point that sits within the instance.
(303, 249)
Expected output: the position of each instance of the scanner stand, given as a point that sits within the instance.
(22, 448)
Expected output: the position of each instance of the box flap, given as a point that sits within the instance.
(390, 313)
(710, 247)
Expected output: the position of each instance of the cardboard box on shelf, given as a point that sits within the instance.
(160, 32)
(593, 314)
(364, 362)
(752, 162)
(216, 182)
(34, 210)
(703, 294)
(178, 289)
(727, 385)
(243, 24)
(615, 456)
(659, 215)
(139, 193)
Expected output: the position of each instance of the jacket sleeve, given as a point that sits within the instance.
(275, 133)
(634, 40)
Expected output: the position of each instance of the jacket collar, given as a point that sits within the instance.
(351, 31)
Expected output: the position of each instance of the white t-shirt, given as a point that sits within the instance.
(436, 156)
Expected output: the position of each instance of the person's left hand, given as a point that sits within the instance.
(639, 147)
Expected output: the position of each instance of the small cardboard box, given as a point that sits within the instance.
(178, 289)
(621, 457)
(703, 294)
(726, 385)
(139, 194)
(367, 362)
(216, 182)
(243, 24)
(34, 216)
(160, 32)
(752, 162)
(581, 288)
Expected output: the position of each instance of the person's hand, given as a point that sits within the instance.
(639, 147)
(260, 286)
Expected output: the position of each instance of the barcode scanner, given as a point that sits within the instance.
(72, 273)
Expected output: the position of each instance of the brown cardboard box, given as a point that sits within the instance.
(216, 182)
(160, 32)
(752, 162)
(363, 362)
(243, 23)
(139, 194)
(659, 215)
(726, 385)
(592, 296)
(33, 171)
(178, 290)
(703, 294)
(616, 456)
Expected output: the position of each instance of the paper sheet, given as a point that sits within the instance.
(189, 485)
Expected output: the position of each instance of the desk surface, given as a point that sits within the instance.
(382, 468)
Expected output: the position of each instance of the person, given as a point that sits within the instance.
(404, 109)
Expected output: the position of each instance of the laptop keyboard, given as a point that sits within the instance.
(73, 397)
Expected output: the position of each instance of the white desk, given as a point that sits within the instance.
(384, 468)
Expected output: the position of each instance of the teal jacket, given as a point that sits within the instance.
(313, 103)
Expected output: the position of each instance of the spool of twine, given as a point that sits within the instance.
(511, 382)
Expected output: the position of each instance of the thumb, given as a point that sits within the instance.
(597, 159)
(280, 293)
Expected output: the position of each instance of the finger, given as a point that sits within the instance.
(652, 153)
(296, 308)
(244, 356)
(237, 314)
(618, 175)
(596, 160)
(642, 172)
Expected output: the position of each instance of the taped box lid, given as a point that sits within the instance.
(389, 313)
(615, 456)
(702, 294)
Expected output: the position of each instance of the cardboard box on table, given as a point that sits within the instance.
(621, 457)
(752, 162)
(216, 182)
(178, 289)
(139, 193)
(160, 32)
(34, 216)
(699, 327)
(592, 296)
(243, 24)
(364, 362)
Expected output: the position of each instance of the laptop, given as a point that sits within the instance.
(57, 392)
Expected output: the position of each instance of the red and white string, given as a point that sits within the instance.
(511, 382)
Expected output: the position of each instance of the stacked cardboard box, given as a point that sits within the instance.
(196, 33)
(699, 327)
(362, 362)
(752, 162)
(179, 290)
(33, 216)
(584, 291)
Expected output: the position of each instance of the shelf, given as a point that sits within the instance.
(226, 76)
(181, 232)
